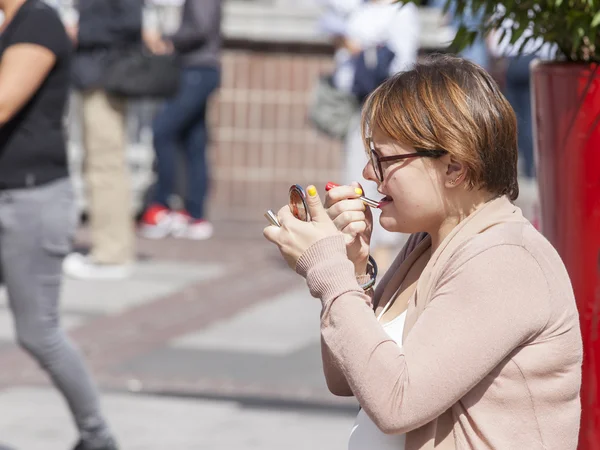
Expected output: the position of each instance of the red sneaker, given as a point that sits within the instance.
(156, 222)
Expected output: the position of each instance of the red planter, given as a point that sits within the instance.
(566, 105)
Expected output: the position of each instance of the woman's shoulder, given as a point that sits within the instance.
(516, 237)
(39, 18)
(41, 10)
(515, 257)
(517, 244)
(42, 25)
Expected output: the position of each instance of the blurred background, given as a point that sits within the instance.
(212, 344)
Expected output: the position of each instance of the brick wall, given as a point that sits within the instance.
(261, 140)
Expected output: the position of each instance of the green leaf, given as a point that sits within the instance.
(577, 40)
(517, 33)
(572, 25)
(464, 38)
(523, 44)
(502, 35)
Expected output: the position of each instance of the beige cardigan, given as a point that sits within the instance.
(492, 347)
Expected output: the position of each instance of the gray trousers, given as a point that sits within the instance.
(36, 229)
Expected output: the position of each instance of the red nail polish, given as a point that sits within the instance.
(372, 203)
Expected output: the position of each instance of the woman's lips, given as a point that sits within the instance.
(385, 201)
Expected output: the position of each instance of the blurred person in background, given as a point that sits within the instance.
(471, 340)
(181, 123)
(37, 204)
(104, 28)
(364, 30)
(478, 51)
(518, 84)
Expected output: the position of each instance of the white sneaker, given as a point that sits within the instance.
(156, 223)
(180, 222)
(82, 267)
(198, 230)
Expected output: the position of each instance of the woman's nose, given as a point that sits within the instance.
(368, 172)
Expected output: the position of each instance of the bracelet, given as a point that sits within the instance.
(372, 271)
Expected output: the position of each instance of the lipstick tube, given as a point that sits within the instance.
(367, 201)
(271, 217)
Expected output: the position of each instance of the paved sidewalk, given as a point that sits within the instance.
(35, 419)
(209, 345)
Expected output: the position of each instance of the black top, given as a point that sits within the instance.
(105, 28)
(106, 24)
(198, 39)
(32, 143)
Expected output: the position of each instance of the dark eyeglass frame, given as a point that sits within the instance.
(376, 160)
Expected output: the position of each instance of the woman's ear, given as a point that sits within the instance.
(455, 171)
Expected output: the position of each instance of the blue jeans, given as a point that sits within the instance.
(517, 92)
(181, 122)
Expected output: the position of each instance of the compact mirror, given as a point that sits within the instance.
(298, 204)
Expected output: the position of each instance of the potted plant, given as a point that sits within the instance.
(566, 118)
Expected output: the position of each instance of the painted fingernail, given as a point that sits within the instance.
(312, 191)
(358, 191)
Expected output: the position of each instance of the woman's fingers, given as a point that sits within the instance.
(355, 228)
(271, 233)
(285, 216)
(340, 193)
(345, 205)
(347, 217)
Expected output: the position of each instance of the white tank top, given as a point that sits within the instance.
(365, 435)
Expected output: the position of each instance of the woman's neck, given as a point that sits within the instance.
(455, 214)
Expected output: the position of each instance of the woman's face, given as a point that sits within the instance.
(414, 187)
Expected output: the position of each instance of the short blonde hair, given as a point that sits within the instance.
(449, 103)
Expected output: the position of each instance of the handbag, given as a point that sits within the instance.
(371, 68)
(140, 73)
(137, 72)
(330, 110)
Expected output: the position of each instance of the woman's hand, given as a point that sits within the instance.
(73, 33)
(156, 44)
(354, 219)
(295, 236)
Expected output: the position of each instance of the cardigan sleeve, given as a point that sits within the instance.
(324, 250)
(479, 313)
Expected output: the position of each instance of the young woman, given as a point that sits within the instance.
(471, 339)
(37, 209)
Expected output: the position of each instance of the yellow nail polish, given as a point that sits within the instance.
(312, 191)
(358, 191)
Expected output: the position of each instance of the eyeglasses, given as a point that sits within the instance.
(376, 160)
